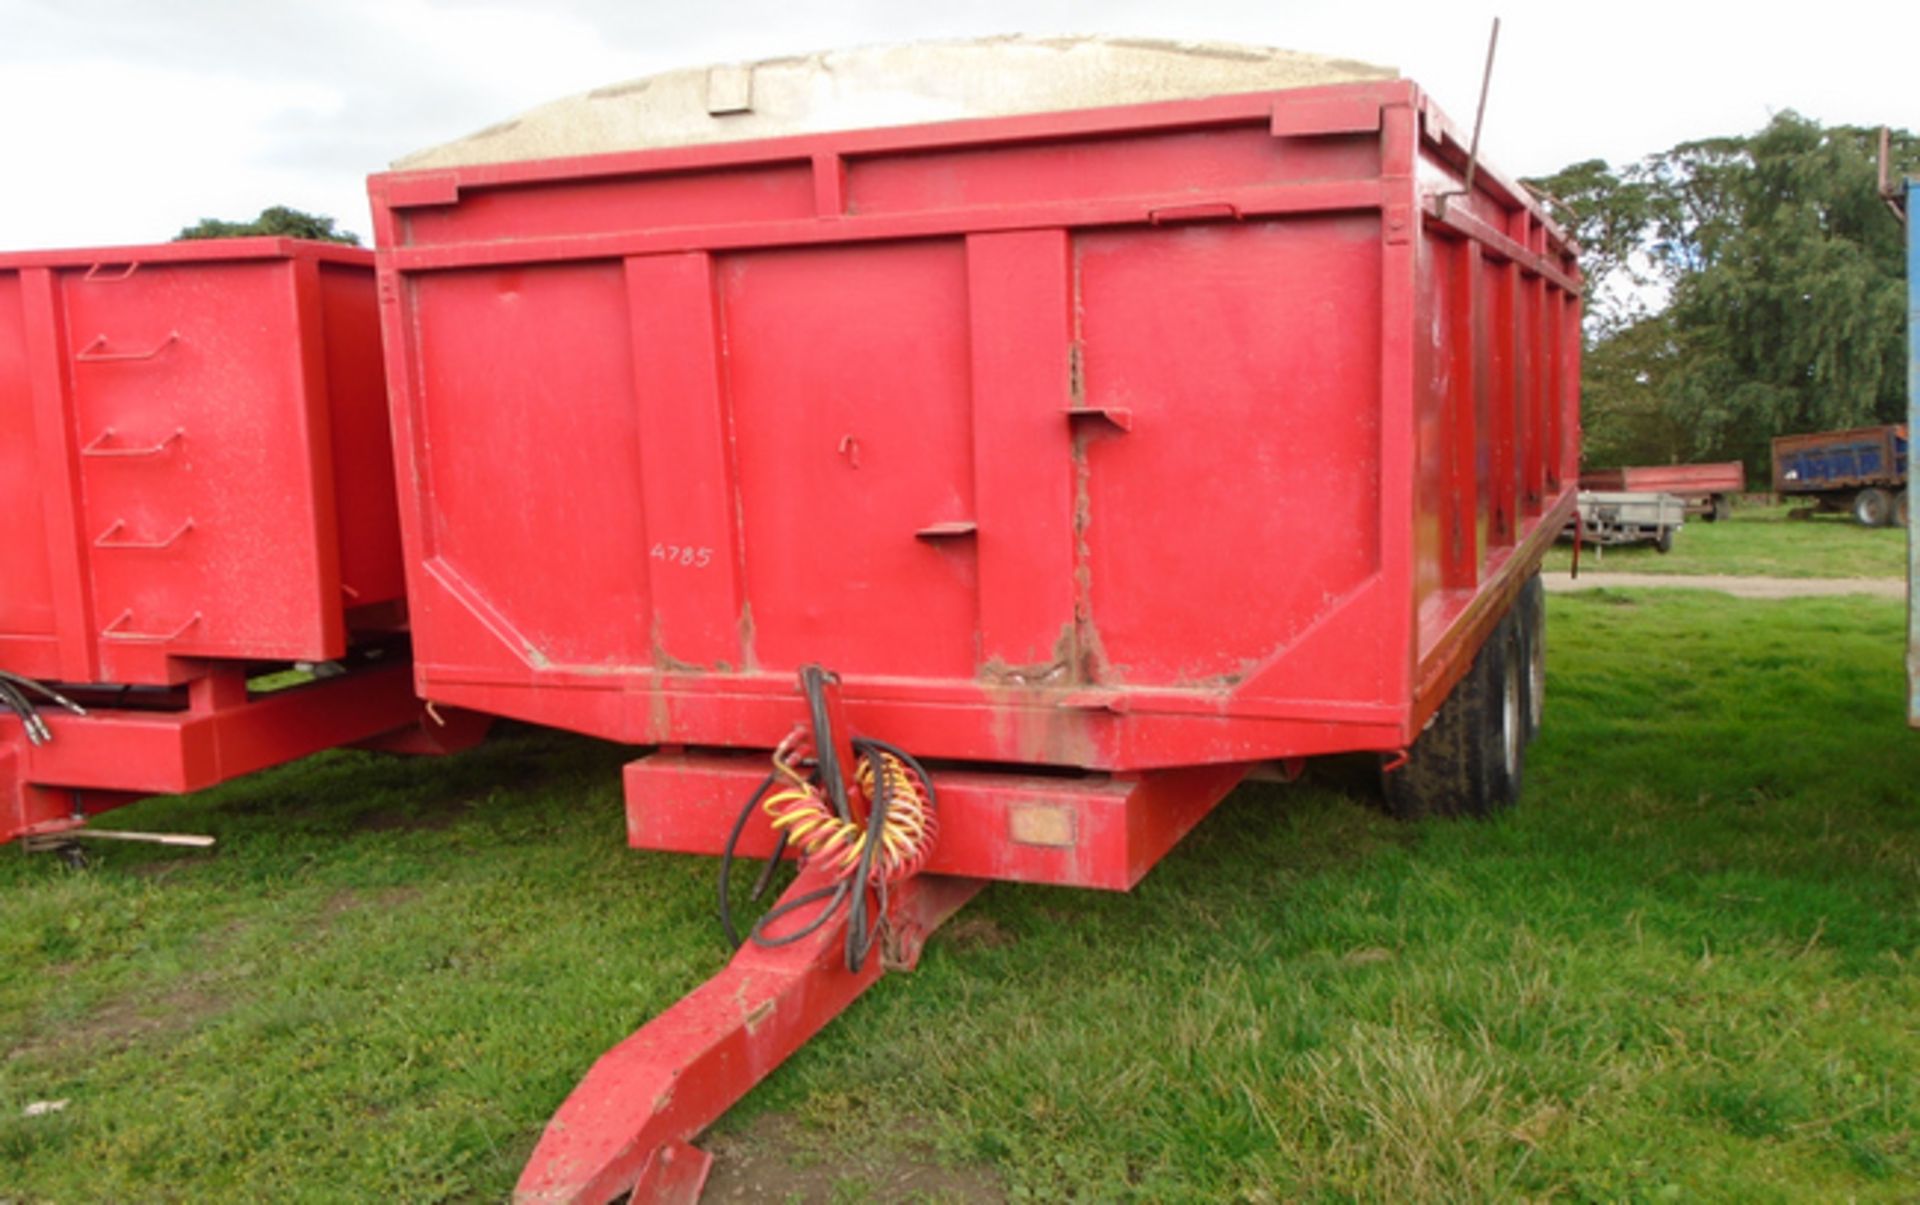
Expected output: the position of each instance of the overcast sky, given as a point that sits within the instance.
(123, 120)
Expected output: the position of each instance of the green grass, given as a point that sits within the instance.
(1758, 541)
(1685, 967)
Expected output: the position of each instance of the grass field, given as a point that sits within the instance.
(1759, 541)
(1685, 967)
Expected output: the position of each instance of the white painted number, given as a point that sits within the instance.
(684, 555)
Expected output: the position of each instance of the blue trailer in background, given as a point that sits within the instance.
(1862, 471)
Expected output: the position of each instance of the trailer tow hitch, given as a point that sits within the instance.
(863, 816)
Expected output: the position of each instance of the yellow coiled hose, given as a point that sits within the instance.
(802, 813)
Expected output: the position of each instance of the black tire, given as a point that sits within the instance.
(1471, 758)
(1872, 507)
(1532, 609)
(1721, 510)
(1900, 509)
(1663, 543)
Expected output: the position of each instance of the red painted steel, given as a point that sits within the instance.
(1094, 830)
(1728, 477)
(117, 755)
(1199, 432)
(198, 463)
(625, 1128)
(195, 480)
(1152, 441)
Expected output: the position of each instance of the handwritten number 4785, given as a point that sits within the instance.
(684, 555)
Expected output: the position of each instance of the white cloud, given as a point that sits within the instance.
(115, 152)
(123, 120)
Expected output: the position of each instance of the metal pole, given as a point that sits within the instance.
(1480, 113)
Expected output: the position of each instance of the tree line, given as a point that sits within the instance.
(278, 220)
(1738, 288)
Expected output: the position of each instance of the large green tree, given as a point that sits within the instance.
(1793, 317)
(1611, 214)
(276, 220)
(1739, 288)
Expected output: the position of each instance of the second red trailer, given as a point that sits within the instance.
(196, 495)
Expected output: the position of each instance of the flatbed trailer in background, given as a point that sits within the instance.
(1706, 490)
(1613, 519)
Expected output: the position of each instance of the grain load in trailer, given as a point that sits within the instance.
(196, 491)
(1072, 462)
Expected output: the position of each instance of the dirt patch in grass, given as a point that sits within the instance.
(976, 933)
(123, 1022)
(1737, 585)
(342, 902)
(771, 1160)
(162, 868)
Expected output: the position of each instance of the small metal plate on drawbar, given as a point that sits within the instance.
(1042, 824)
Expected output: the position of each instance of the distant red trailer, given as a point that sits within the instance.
(1101, 455)
(195, 489)
(1708, 489)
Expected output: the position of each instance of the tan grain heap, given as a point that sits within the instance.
(886, 86)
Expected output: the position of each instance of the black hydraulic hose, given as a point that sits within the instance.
(852, 892)
(18, 703)
(813, 684)
(861, 936)
(834, 896)
(52, 695)
(726, 863)
(764, 879)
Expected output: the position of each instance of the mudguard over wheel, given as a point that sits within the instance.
(1470, 759)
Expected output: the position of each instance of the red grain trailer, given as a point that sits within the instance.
(1091, 459)
(195, 492)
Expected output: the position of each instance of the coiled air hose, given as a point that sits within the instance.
(813, 812)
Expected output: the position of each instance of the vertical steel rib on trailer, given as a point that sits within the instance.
(1101, 454)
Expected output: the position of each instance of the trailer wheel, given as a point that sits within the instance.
(1533, 630)
(1720, 510)
(1900, 509)
(1470, 759)
(1872, 507)
(1663, 543)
